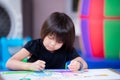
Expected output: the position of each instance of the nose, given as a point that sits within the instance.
(53, 43)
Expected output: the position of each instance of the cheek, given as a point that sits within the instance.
(45, 41)
(59, 46)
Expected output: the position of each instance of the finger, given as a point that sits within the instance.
(73, 61)
(73, 69)
(43, 66)
(41, 61)
(70, 67)
(40, 68)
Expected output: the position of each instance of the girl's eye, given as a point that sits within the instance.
(50, 37)
(60, 42)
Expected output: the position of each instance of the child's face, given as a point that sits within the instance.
(51, 44)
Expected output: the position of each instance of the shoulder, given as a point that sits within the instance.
(33, 43)
(74, 52)
(33, 46)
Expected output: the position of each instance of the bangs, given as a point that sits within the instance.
(60, 34)
(60, 38)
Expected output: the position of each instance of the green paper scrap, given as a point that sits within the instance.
(17, 72)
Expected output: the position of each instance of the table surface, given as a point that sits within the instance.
(62, 74)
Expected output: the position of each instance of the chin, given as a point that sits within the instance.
(50, 50)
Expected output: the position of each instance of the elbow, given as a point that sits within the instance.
(8, 64)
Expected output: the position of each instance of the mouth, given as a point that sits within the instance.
(50, 48)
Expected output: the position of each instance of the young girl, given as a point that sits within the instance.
(53, 50)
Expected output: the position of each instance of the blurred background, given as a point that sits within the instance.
(97, 25)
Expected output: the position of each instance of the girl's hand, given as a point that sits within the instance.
(74, 65)
(37, 65)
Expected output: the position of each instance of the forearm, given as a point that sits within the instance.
(17, 65)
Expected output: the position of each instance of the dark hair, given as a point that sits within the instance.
(62, 26)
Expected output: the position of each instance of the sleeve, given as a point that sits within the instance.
(73, 55)
(31, 46)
